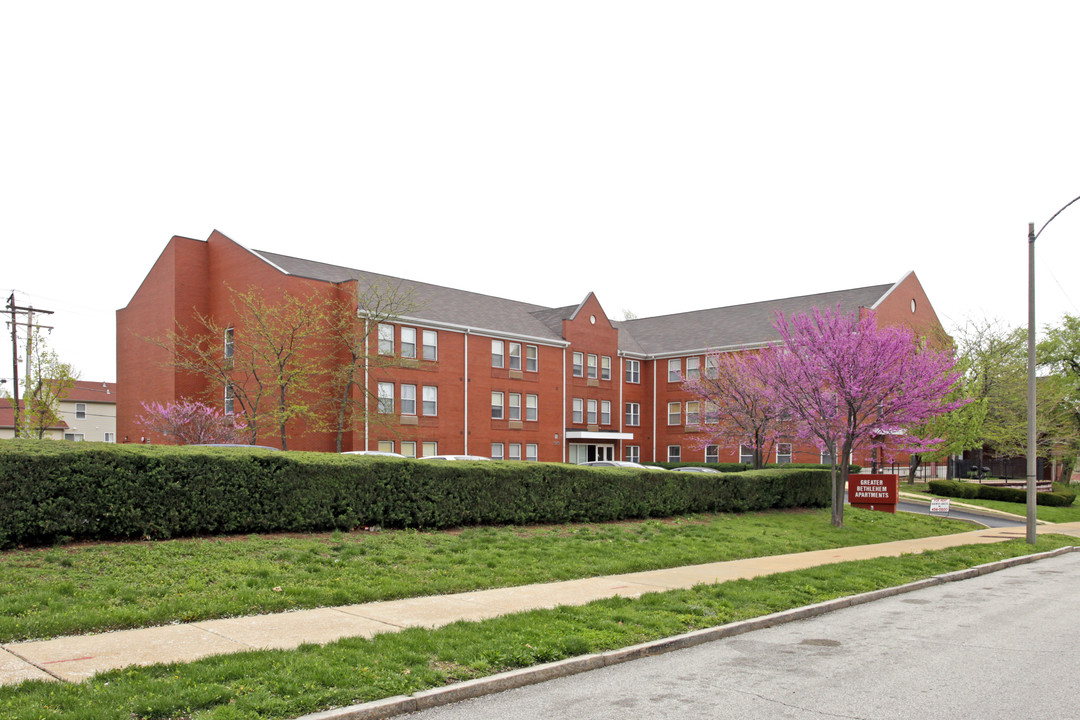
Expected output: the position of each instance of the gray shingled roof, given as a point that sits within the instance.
(697, 330)
(736, 324)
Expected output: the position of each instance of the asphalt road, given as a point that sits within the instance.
(986, 519)
(996, 646)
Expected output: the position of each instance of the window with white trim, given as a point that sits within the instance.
(531, 405)
(674, 413)
(80, 411)
(431, 345)
(633, 414)
(712, 370)
(408, 399)
(633, 371)
(674, 453)
(496, 406)
(386, 446)
(386, 339)
(674, 370)
(783, 453)
(408, 342)
(431, 400)
(229, 342)
(515, 356)
(496, 451)
(693, 412)
(591, 374)
(578, 414)
(605, 367)
(579, 364)
(515, 451)
(386, 398)
(693, 368)
(74, 437)
(429, 449)
(497, 353)
(408, 448)
(110, 437)
(746, 454)
(712, 454)
(532, 452)
(515, 407)
(230, 401)
(710, 412)
(632, 453)
(591, 406)
(605, 412)
(532, 358)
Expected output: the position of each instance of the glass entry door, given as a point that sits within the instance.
(589, 452)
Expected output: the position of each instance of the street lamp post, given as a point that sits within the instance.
(1031, 452)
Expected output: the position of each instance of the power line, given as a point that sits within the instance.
(27, 312)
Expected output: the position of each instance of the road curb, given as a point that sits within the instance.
(401, 704)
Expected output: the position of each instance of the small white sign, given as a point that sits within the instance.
(939, 505)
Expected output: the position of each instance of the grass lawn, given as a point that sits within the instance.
(1046, 513)
(271, 685)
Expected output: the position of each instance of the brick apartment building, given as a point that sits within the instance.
(485, 376)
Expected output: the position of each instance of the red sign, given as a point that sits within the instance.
(874, 492)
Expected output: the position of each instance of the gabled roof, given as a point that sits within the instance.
(716, 328)
(92, 391)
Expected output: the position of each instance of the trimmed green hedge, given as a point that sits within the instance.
(741, 467)
(54, 491)
(960, 489)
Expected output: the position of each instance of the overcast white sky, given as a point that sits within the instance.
(666, 155)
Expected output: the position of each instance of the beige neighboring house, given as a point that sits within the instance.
(87, 413)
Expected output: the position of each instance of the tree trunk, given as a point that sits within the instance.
(913, 465)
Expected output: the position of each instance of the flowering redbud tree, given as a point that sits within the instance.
(737, 405)
(851, 383)
(191, 423)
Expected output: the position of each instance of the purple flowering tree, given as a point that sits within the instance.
(191, 423)
(850, 383)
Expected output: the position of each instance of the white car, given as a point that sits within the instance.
(454, 457)
(373, 452)
(621, 464)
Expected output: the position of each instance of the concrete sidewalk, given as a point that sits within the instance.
(76, 658)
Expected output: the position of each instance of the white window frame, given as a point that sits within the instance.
(633, 371)
(80, 411)
(674, 453)
(515, 452)
(408, 448)
(74, 437)
(386, 446)
(590, 412)
(230, 399)
(498, 359)
(605, 412)
(532, 408)
(577, 411)
(429, 448)
(386, 398)
(408, 343)
(496, 451)
(532, 358)
(514, 407)
(674, 370)
(591, 370)
(605, 367)
(408, 399)
(712, 370)
(532, 452)
(712, 453)
(110, 437)
(497, 400)
(674, 413)
(431, 345)
(693, 368)
(578, 369)
(746, 454)
(632, 453)
(783, 457)
(515, 356)
(693, 412)
(633, 414)
(229, 343)
(386, 339)
(431, 400)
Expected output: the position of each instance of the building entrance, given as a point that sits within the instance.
(589, 452)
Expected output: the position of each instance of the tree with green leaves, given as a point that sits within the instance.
(47, 381)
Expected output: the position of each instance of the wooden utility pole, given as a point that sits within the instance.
(16, 311)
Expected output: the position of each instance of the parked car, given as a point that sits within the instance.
(455, 457)
(620, 464)
(373, 452)
(695, 468)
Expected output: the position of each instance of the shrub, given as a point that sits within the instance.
(1060, 497)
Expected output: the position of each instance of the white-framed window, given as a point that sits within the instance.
(386, 446)
(496, 406)
(578, 411)
(515, 407)
(693, 367)
(386, 398)
(408, 342)
(532, 452)
(496, 451)
(826, 457)
(74, 437)
(592, 367)
(674, 370)
(605, 367)
(693, 412)
(674, 453)
(431, 345)
(633, 371)
(230, 400)
(710, 412)
(605, 412)
(531, 407)
(674, 413)
(712, 454)
(515, 451)
(633, 414)
(229, 342)
(429, 448)
(80, 411)
(711, 368)
(408, 399)
(532, 358)
(591, 407)
(408, 448)
(579, 364)
(515, 356)
(783, 453)
(110, 437)
(746, 454)
(632, 453)
(431, 400)
(497, 353)
(386, 339)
